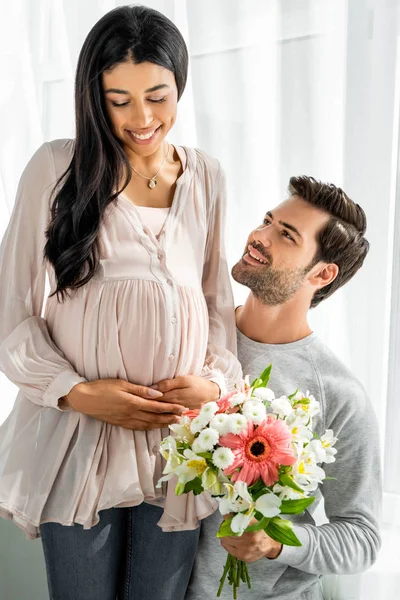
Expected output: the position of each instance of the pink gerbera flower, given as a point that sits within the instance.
(224, 406)
(259, 451)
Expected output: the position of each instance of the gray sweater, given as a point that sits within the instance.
(350, 541)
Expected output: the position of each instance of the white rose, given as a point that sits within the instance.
(207, 411)
(197, 425)
(263, 393)
(236, 423)
(237, 399)
(254, 411)
(208, 438)
(220, 423)
(281, 407)
(223, 457)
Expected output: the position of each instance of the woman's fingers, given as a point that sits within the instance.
(156, 407)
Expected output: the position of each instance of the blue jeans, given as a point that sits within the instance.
(125, 556)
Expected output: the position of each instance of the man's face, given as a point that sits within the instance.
(280, 253)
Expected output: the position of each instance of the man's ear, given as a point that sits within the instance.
(324, 275)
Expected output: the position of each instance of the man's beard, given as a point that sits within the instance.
(272, 287)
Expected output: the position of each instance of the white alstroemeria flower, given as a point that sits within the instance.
(223, 457)
(241, 521)
(207, 411)
(308, 409)
(254, 411)
(241, 490)
(282, 407)
(306, 472)
(188, 470)
(196, 446)
(287, 493)
(314, 406)
(237, 399)
(210, 482)
(220, 422)
(264, 394)
(192, 467)
(169, 451)
(298, 429)
(268, 505)
(208, 438)
(236, 498)
(182, 430)
(168, 447)
(322, 449)
(328, 439)
(197, 425)
(236, 423)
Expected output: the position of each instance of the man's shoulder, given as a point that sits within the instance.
(336, 376)
(344, 397)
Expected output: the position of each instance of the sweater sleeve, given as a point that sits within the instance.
(350, 542)
(221, 364)
(28, 356)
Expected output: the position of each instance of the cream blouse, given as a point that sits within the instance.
(157, 308)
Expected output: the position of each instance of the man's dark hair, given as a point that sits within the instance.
(342, 240)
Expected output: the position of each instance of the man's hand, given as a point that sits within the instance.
(189, 391)
(250, 547)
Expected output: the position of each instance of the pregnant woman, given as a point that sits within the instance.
(138, 325)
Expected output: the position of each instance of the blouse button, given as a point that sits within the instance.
(169, 281)
(171, 357)
(174, 320)
(160, 255)
(155, 449)
(146, 231)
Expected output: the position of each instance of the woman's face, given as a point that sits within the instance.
(141, 103)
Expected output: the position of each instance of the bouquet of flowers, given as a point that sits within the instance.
(258, 454)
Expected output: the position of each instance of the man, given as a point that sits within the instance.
(305, 249)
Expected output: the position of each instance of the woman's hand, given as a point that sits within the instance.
(119, 402)
(189, 391)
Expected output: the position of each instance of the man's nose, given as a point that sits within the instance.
(262, 236)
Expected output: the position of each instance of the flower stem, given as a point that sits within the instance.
(236, 571)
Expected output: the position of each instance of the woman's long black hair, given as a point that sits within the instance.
(90, 183)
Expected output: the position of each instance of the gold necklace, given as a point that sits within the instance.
(153, 180)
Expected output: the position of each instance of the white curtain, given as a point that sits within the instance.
(276, 88)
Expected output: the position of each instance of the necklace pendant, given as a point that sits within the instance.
(152, 184)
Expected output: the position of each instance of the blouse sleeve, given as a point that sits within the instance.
(28, 356)
(221, 364)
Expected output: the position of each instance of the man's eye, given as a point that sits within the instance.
(266, 222)
(119, 104)
(287, 235)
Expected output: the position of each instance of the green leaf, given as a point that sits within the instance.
(294, 507)
(258, 526)
(303, 401)
(194, 486)
(206, 455)
(225, 529)
(263, 380)
(293, 395)
(287, 480)
(256, 383)
(282, 531)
